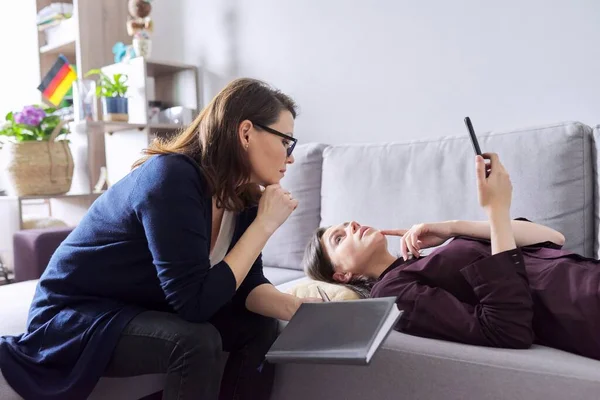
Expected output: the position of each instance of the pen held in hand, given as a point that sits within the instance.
(323, 294)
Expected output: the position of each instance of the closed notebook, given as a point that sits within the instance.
(337, 332)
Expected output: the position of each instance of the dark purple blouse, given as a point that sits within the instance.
(535, 294)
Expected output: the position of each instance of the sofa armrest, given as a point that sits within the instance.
(33, 249)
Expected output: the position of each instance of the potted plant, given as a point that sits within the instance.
(35, 156)
(112, 91)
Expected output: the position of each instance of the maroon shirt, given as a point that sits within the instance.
(460, 292)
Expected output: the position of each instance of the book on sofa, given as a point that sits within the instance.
(337, 332)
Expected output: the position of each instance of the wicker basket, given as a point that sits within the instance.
(38, 168)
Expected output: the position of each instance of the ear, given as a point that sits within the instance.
(244, 131)
(342, 277)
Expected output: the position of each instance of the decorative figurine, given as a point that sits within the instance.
(139, 25)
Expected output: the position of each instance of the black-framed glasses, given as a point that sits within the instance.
(292, 140)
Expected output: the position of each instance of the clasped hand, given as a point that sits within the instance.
(421, 236)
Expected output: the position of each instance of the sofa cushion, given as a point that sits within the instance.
(310, 288)
(596, 174)
(15, 300)
(13, 321)
(397, 185)
(130, 388)
(303, 179)
(408, 367)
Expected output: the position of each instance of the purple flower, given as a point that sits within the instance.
(30, 115)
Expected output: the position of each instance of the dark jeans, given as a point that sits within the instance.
(190, 353)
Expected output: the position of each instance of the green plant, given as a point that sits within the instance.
(33, 122)
(109, 87)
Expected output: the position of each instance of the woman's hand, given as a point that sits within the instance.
(274, 207)
(494, 191)
(298, 301)
(422, 236)
(267, 300)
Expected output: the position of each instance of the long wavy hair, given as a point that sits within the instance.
(212, 140)
(318, 266)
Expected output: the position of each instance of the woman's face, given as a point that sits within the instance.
(268, 152)
(350, 247)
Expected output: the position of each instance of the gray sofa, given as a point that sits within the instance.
(554, 173)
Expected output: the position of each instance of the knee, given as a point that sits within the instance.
(201, 340)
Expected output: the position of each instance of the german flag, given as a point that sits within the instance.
(58, 81)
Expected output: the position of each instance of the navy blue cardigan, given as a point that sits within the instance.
(143, 245)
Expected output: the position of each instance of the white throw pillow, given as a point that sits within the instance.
(308, 288)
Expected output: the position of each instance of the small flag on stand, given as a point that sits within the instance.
(58, 81)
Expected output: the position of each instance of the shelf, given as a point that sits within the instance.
(159, 68)
(165, 127)
(112, 127)
(59, 196)
(66, 47)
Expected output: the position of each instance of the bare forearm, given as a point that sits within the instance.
(246, 251)
(268, 301)
(525, 233)
(501, 232)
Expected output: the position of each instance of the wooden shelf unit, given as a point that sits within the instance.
(87, 42)
(173, 83)
(114, 127)
(92, 31)
(96, 25)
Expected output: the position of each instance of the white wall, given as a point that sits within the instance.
(19, 64)
(396, 70)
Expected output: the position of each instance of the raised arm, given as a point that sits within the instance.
(526, 233)
(422, 236)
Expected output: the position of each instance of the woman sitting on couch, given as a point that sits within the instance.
(498, 283)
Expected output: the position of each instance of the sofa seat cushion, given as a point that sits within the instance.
(15, 300)
(409, 367)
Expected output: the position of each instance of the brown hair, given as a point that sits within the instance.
(212, 139)
(318, 266)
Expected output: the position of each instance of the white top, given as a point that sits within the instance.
(223, 239)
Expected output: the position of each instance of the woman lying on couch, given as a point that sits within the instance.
(498, 283)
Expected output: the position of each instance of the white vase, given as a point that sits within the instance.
(142, 47)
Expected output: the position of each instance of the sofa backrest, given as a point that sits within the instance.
(395, 185)
(553, 169)
(303, 179)
(596, 161)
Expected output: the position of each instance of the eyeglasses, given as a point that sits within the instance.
(291, 140)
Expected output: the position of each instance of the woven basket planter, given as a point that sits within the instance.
(38, 168)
